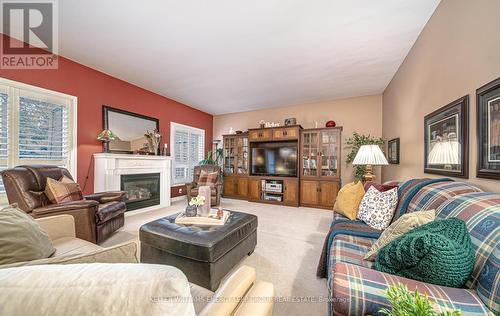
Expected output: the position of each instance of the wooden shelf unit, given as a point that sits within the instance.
(318, 166)
(320, 159)
(235, 166)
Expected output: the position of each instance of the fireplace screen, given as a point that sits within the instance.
(143, 190)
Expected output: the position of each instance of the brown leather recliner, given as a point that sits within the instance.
(96, 217)
(192, 187)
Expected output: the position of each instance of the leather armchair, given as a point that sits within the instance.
(96, 217)
(192, 187)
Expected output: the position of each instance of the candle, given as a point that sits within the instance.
(205, 192)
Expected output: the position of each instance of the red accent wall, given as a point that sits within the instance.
(93, 89)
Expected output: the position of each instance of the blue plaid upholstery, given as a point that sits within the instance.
(433, 195)
(481, 213)
(359, 290)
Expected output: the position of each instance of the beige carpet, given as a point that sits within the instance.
(289, 242)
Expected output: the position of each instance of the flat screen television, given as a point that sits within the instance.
(275, 159)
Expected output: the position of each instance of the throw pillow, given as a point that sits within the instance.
(377, 208)
(439, 252)
(207, 178)
(64, 190)
(348, 199)
(21, 238)
(378, 186)
(403, 225)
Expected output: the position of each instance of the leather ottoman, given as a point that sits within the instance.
(204, 254)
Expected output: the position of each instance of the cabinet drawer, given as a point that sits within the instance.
(260, 135)
(286, 133)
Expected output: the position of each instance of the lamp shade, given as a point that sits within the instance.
(106, 135)
(370, 155)
(445, 153)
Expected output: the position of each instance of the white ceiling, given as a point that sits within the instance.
(224, 56)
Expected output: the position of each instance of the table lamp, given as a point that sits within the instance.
(106, 136)
(369, 156)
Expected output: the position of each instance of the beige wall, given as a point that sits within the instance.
(362, 114)
(457, 52)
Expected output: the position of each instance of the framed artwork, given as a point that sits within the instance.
(446, 140)
(488, 130)
(393, 151)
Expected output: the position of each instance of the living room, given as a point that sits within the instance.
(263, 158)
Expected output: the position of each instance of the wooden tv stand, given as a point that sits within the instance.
(318, 167)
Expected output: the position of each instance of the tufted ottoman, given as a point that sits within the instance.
(204, 254)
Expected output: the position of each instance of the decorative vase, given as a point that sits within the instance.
(191, 211)
(330, 124)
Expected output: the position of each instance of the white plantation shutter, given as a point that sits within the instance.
(37, 126)
(188, 146)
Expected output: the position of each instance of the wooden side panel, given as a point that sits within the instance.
(328, 193)
(291, 192)
(242, 187)
(309, 192)
(229, 186)
(253, 189)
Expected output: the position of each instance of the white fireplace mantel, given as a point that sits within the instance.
(109, 167)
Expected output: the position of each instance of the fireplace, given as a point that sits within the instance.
(143, 189)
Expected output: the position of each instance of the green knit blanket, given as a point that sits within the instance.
(439, 252)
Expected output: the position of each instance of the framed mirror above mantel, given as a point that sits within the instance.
(129, 129)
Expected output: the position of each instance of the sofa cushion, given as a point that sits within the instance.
(64, 190)
(207, 178)
(21, 238)
(403, 225)
(439, 252)
(95, 289)
(72, 246)
(350, 249)
(431, 196)
(377, 208)
(348, 199)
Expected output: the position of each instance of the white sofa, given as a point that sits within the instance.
(82, 278)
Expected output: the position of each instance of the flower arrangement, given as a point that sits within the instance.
(197, 201)
(154, 139)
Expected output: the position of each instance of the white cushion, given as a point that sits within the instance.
(377, 208)
(95, 289)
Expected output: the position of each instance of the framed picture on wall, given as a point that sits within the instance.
(488, 130)
(393, 151)
(446, 140)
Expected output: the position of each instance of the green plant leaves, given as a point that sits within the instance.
(354, 143)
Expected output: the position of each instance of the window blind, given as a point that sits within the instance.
(188, 145)
(37, 126)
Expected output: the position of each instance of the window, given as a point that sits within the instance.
(188, 147)
(37, 126)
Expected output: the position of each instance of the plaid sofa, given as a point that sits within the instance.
(356, 289)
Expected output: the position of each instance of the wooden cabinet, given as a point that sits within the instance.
(309, 192)
(242, 187)
(235, 165)
(291, 192)
(321, 194)
(320, 166)
(229, 186)
(253, 189)
(235, 154)
(275, 133)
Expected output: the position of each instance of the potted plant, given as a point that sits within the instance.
(354, 143)
(405, 303)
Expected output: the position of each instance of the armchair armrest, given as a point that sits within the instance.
(83, 212)
(358, 290)
(58, 226)
(105, 197)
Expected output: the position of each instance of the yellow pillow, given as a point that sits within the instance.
(400, 227)
(348, 199)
